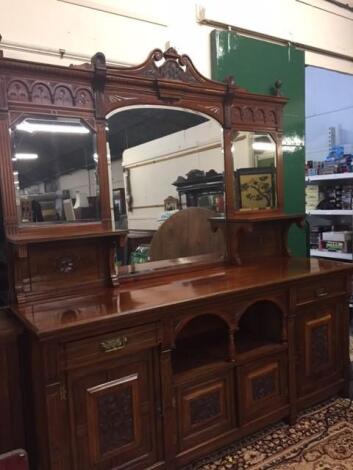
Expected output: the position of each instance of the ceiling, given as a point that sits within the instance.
(139, 125)
(60, 154)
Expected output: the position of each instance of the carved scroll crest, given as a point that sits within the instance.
(174, 67)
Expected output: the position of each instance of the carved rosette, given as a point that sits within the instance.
(66, 264)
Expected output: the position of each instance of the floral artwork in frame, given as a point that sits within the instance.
(256, 188)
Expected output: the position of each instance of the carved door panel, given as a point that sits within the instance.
(319, 358)
(113, 415)
(204, 410)
(263, 387)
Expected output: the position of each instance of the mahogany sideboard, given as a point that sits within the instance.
(162, 372)
(153, 366)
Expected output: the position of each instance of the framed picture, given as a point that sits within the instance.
(255, 188)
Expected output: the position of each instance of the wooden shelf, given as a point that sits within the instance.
(250, 349)
(198, 351)
(23, 240)
(189, 375)
(256, 217)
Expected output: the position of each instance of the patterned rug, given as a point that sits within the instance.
(322, 439)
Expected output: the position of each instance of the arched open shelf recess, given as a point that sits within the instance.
(261, 326)
(203, 341)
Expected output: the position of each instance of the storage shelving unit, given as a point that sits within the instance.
(328, 214)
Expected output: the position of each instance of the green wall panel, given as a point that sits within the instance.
(256, 65)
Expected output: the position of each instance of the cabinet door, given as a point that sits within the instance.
(319, 346)
(113, 415)
(204, 410)
(263, 387)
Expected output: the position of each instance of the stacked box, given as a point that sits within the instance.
(340, 242)
(347, 190)
(311, 196)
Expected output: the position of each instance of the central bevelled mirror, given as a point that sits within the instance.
(54, 164)
(167, 178)
(255, 159)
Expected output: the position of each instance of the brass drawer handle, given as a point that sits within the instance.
(114, 344)
(321, 292)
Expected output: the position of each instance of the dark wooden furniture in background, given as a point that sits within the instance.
(11, 408)
(184, 359)
(14, 460)
(201, 189)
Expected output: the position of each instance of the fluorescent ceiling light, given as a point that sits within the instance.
(264, 146)
(25, 156)
(56, 127)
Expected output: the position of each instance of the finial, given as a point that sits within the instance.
(278, 85)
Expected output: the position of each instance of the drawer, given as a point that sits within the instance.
(312, 291)
(110, 345)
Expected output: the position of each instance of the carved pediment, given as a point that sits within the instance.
(168, 65)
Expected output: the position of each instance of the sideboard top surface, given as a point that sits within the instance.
(131, 301)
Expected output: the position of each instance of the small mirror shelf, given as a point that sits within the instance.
(54, 164)
(255, 161)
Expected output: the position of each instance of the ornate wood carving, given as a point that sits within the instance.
(49, 93)
(318, 344)
(63, 266)
(115, 419)
(251, 115)
(263, 386)
(63, 96)
(41, 94)
(205, 407)
(113, 413)
(18, 91)
(83, 98)
(66, 264)
(174, 66)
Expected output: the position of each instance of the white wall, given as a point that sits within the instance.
(329, 103)
(80, 180)
(50, 25)
(155, 165)
(117, 174)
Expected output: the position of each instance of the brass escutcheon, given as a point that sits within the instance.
(114, 344)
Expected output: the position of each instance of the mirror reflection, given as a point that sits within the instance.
(167, 174)
(55, 170)
(254, 158)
